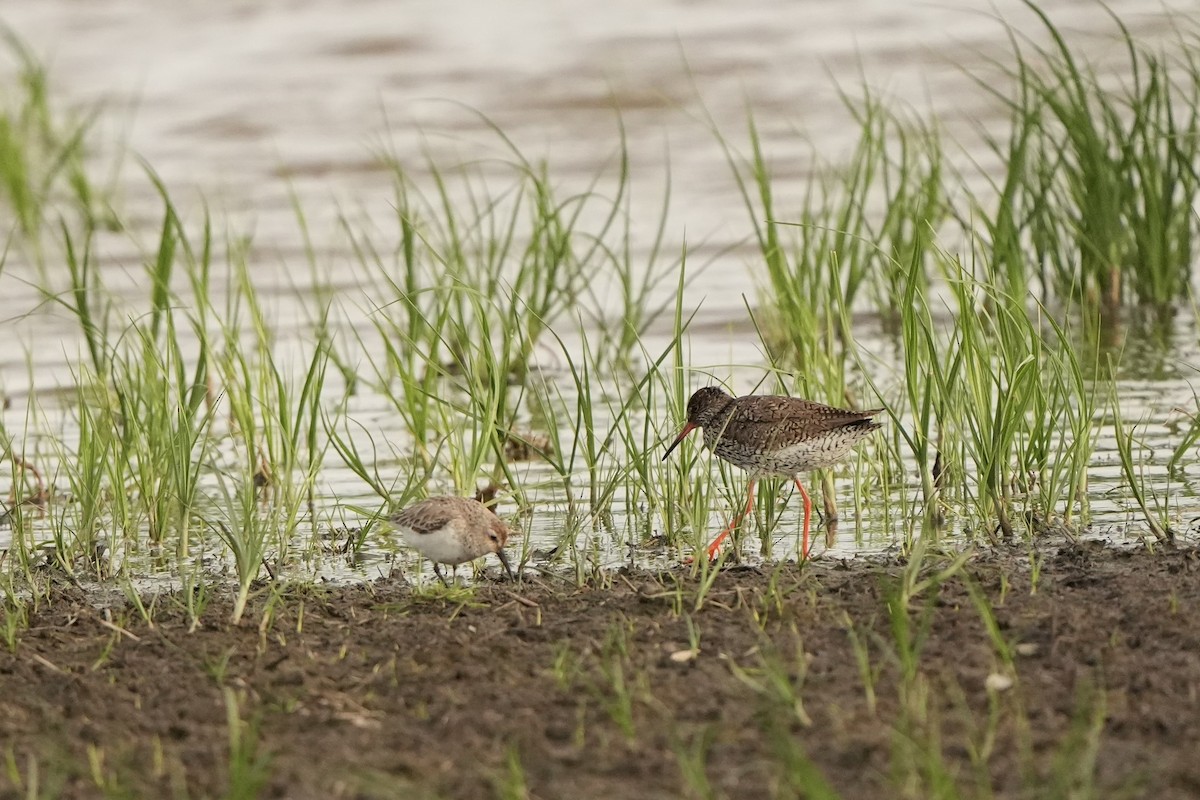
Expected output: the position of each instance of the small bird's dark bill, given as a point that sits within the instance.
(682, 435)
(504, 560)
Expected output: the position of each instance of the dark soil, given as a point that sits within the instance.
(371, 691)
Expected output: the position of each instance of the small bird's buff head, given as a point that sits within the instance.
(702, 409)
(497, 535)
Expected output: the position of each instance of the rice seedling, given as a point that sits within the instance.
(798, 773)
(42, 157)
(85, 291)
(196, 592)
(860, 227)
(488, 319)
(27, 502)
(1004, 649)
(925, 736)
(516, 246)
(143, 419)
(511, 783)
(249, 765)
(855, 225)
(601, 417)
(617, 689)
(918, 765)
(685, 492)
(245, 530)
(278, 419)
(27, 775)
(923, 418)
(1077, 758)
(1190, 434)
(478, 426)
(692, 756)
(475, 294)
(165, 427)
(275, 422)
(1063, 430)
(1104, 178)
(552, 404)
(1024, 410)
(780, 679)
(483, 308)
(868, 672)
(1145, 496)
(1187, 442)
(88, 470)
(15, 619)
(566, 669)
(620, 328)
(619, 444)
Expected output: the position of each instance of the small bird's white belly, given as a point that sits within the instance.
(444, 546)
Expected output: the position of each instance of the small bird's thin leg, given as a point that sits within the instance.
(438, 571)
(807, 516)
(716, 543)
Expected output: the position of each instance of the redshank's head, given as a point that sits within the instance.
(702, 409)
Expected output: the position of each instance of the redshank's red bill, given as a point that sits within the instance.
(773, 435)
(452, 530)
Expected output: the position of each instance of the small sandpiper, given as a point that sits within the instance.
(773, 435)
(452, 530)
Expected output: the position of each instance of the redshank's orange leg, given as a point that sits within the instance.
(807, 516)
(733, 523)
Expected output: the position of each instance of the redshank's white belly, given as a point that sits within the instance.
(810, 454)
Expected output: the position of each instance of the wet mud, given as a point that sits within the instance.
(650, 687)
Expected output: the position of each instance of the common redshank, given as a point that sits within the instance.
(452, 530)
(773, 435)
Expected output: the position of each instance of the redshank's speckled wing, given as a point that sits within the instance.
(432, 514)
(778, 421)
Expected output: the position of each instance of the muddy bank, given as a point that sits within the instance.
(774, 679)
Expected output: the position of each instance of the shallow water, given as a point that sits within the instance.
(242, 103)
